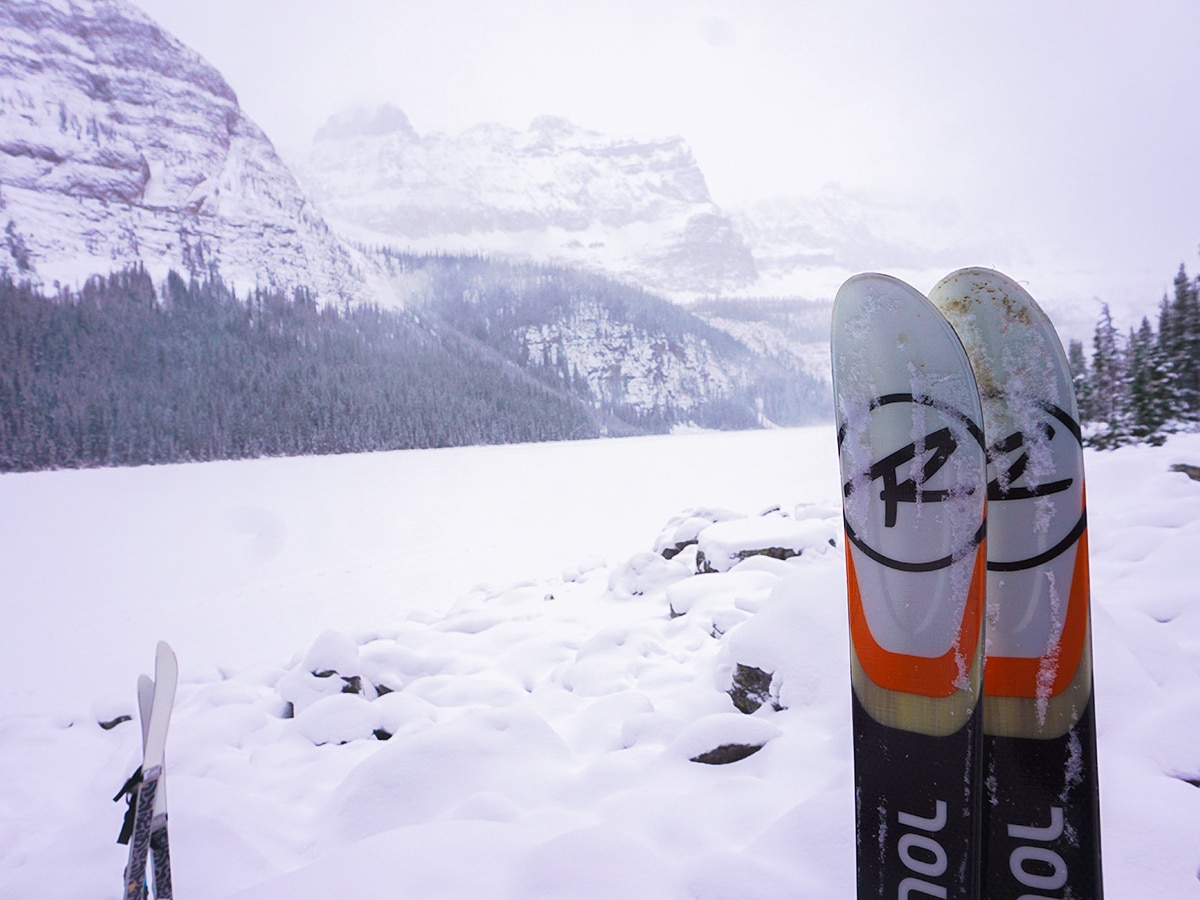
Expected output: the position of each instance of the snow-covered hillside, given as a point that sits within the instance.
(640, 361)
(118, 144)
(555, 192)
(541, 687)
(793, 331)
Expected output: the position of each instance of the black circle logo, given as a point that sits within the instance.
(915, 506)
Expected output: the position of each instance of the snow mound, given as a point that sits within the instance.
(575, 736)
(776, 535)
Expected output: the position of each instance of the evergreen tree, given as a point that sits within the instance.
(1148, 403)
(1168, 348)
(1081, 379)
(1108, 383)
(1182, 348)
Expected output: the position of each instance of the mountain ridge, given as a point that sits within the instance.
(121, 145)
(555, 192)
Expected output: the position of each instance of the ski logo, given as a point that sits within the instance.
(1009, 470)
(1053, 441)
(888, 523)
(937, 448)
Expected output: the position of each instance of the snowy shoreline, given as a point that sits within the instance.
(535, 680)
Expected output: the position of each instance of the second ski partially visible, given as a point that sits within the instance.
(1041, 835)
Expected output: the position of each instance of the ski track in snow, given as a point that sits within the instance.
(513, 631)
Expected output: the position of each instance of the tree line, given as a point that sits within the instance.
(1139, 387)
(124, 371)
(121, 372)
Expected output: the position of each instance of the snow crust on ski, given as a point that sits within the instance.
(1042, 830)
(912, 456)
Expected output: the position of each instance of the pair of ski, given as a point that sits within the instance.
(967, 578)
(146, 826)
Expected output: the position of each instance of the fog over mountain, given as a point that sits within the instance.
(554, 192)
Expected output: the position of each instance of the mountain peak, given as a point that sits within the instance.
(120, 145)
(361, 121)
(555, 192)
(550, 131)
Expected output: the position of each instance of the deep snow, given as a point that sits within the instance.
(547, 676)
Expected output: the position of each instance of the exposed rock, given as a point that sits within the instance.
(1192, 472)
(751, 689)
(331, 666)
(727, 753)
(683, 530)
(780, 553)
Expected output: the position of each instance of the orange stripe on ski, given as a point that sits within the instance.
(1009, 676)
(938, 676)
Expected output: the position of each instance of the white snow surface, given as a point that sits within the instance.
(545, 676)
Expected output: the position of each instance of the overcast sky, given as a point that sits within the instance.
(1063, 132)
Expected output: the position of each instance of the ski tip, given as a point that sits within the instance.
(166, 668)
(863, 293)
(873, 310)
(872, 282)
(967, 291)
(983, 276)
(977, 282)
(985, 272)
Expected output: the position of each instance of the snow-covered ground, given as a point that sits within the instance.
(545, 676)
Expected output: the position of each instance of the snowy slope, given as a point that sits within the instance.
(555, 192)
(543, 724)
(795, 332)
(119, 144)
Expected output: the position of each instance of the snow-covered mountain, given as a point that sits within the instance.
(119, 144)
(807, 245)
(795, 333)
(640, 361)
(555, 192)
(636, 208)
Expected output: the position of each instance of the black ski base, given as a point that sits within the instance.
(1042, 838)
(918, 810)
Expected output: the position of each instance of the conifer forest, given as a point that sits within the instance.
(1139, 387)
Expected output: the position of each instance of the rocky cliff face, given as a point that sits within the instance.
(630, 355)
(118, 144)
(553, 192)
